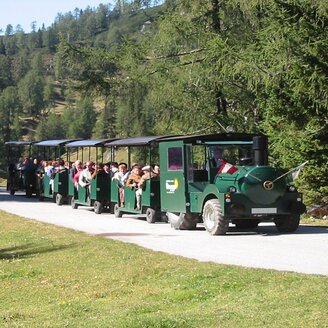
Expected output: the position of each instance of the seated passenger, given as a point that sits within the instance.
(77, 170)
(87, 175)
(121, 175)
(60, 167)
(100, 171)
(113, 168)
(148, 174)
(134, 179)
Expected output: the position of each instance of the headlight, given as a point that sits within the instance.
(232, 189)
(291, 188)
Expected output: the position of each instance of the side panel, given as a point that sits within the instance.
(129, 198)
(61, 183)
(47, 192)
(172, 177)
(114, 194)
(151, 194)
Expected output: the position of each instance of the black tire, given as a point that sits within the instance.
(164, 217)
(73, 204)
(214, 223)
(12, 192)
(246, 223)
(59, 199)
(117, 212)
(29, 192)
(151, 215)
(286, 224)
(184, 221)
(98, 207)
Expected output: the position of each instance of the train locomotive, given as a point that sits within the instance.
(237, 187)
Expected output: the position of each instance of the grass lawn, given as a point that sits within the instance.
(55, 277)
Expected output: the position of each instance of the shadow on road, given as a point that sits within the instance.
(270, 230)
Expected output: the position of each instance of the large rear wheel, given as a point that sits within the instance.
(288, 223)
(214, 222)
(151, 215)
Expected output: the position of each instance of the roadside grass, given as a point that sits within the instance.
(56, 277)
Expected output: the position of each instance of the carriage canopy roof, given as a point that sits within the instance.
(53, 143)
(136, 141)
(213, 138)
(89, 143)
(19, 143)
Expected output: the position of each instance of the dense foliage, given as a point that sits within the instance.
(181, 67)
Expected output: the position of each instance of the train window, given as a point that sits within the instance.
(175, 158)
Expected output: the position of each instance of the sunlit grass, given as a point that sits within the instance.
(54, 277)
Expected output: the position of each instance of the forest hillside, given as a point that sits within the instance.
(178, 67)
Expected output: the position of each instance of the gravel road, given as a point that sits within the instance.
(304, 251)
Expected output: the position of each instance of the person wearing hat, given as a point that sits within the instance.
(148, 173)
(133, 179)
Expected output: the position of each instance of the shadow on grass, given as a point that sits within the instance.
(28, 250)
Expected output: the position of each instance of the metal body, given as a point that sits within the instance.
(150, 199)
(55, 187)
(97, 194)
(245, 197)
(21, 179)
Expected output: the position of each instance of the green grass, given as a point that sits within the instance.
(55, 277)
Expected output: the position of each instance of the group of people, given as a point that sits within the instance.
(134, 178)
(82, 174)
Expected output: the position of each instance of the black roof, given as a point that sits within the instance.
(54, 143)
(135, 141)
(203, 138)
(89, 143)
(19, 143)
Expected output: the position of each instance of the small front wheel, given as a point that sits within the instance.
(73, 204)
(151, 215)
(214, 222)
(117, 212)
(98, 207)
(59, 199)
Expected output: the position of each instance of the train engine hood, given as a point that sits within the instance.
(261, 184)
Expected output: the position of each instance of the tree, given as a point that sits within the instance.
(49, 93)
(20, 65)
(9, 30)
(5, 72)
(30, 91)
(80, 120)
(10, 108)
(105, 124)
